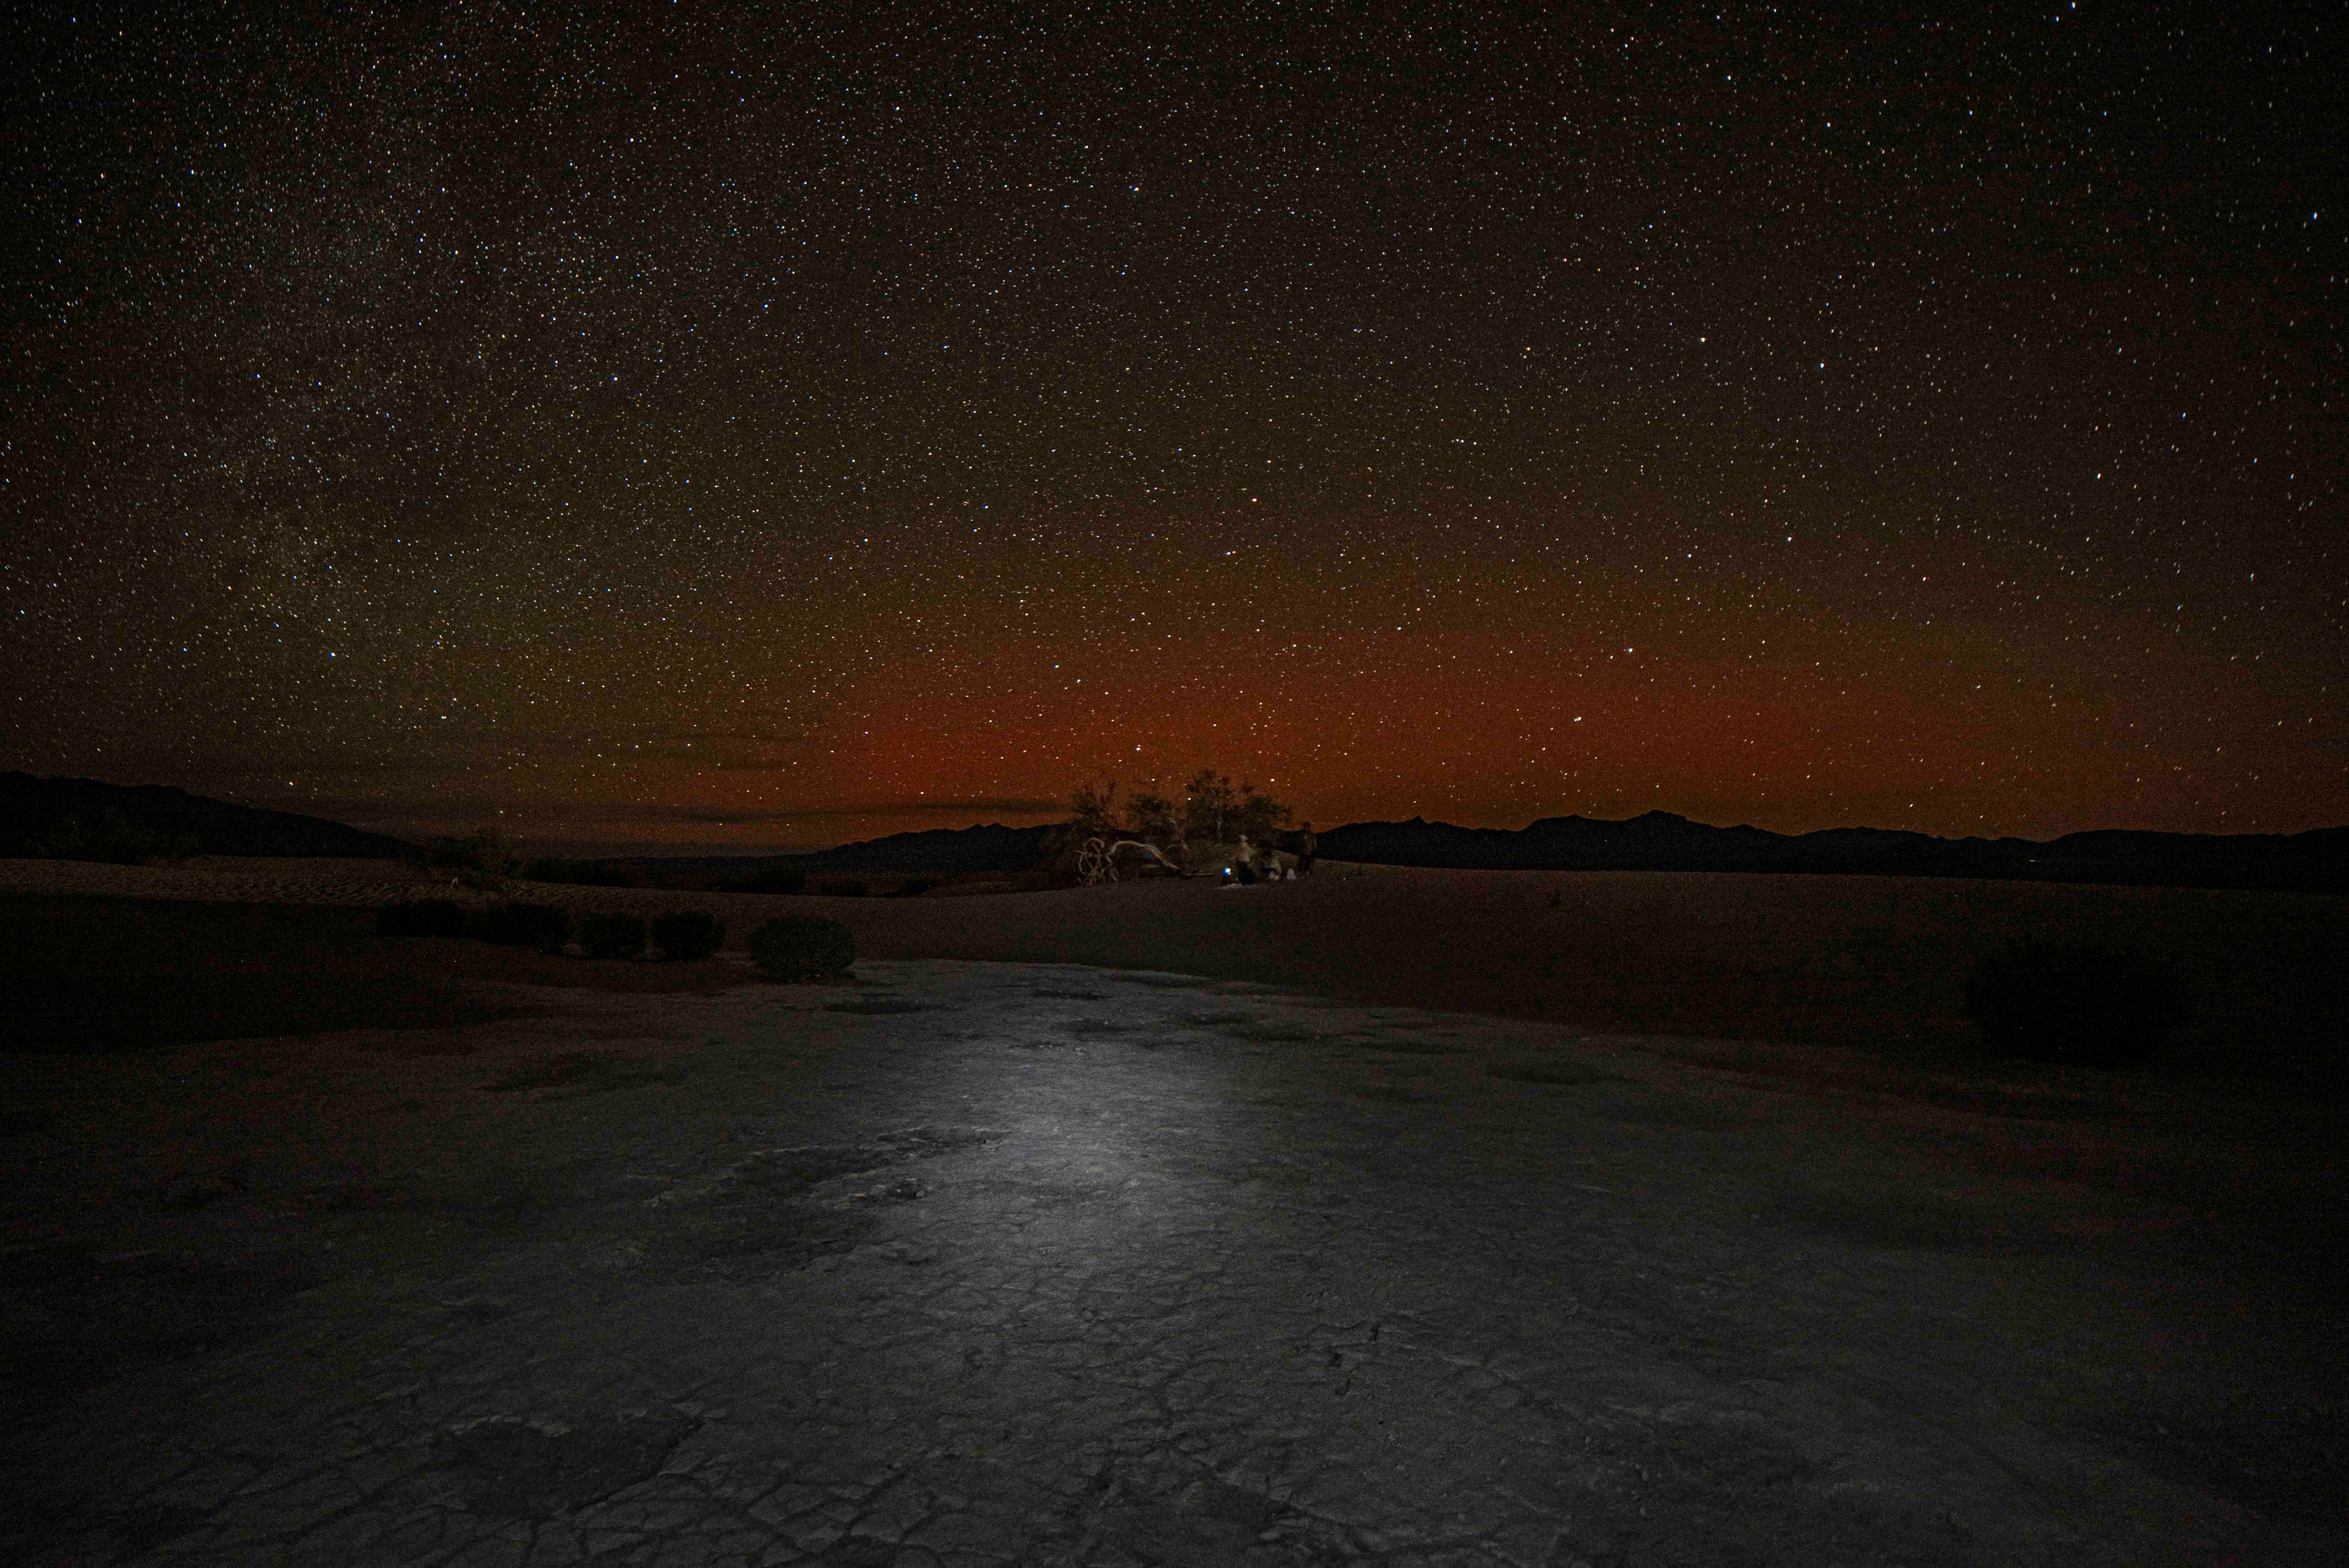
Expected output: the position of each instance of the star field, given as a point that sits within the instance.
(708, 425)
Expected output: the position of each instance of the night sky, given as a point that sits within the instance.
(685, 424)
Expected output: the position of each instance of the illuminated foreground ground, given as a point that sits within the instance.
(996, 1263)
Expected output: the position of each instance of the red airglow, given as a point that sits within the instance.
(1478, 728)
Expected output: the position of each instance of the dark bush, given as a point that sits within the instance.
(803, 947)
(914, 887)
(841, 887)
(421, 918)
(772, 877)
(542, 925)
(2074, 1003)
(688, 934)
(612, 935)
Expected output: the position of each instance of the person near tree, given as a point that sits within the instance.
(1244, 862)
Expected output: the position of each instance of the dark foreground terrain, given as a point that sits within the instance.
(997, 1262)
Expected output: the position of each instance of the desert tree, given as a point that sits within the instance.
(1216, 810)
(1093, 809)
(1257, 815)
(1150, 817)
(1207, 802)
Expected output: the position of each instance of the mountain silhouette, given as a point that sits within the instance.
(2316, 862)
(82, 818)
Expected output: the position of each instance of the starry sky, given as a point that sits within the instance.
(748, 427)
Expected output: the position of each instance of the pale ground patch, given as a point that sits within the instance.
(994, 1262)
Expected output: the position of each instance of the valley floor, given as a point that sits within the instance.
(980, 1262)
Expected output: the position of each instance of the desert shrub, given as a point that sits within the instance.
(688, 934)
(2074, 1001)
(612, 935)
(1215, 810)
(1150, 817)
(772, 877)
(1259, 816)
(514, 924)
(421, 918)
(803, 947)
(1093, 809)
(841, 887)
(914, 887)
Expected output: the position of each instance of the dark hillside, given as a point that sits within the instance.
(2316, 862)
(954, 851)
(82, 818)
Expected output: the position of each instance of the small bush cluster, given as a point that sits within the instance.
(421, 918)
(2074, 1003)
(685, 935)
(546, 926)
(803, 947)
(914, 887)
(612, 935)
(841, 887)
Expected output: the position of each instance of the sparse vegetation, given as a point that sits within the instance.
(803, 947)
(1150, 817)
(843, 887)
(545, 926)
(1214, 812)
(2074, 1003)
(1092, 809)
(685, 935)
(612, 935)
(421, 918)
(914, 887)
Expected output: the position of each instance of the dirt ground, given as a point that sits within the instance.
(1035, 1252)
(1875, 963)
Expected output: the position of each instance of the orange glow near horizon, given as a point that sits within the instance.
(1483, 730)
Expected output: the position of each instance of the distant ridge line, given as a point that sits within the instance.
(35, 814)
(42, 817)
(2313, 862)
(990, 847)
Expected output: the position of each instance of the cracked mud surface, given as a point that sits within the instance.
(999, 1263)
